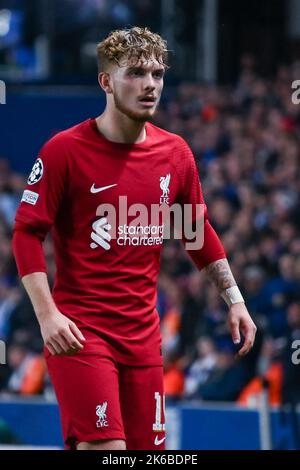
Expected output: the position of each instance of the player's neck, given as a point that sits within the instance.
(120, 129)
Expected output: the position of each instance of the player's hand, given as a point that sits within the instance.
(240, 321)
(60, 334)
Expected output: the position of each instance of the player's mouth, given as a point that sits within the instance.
(148, 101)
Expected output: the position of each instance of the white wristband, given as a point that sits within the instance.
(232, 295)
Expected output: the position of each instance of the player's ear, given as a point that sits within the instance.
(104, 80)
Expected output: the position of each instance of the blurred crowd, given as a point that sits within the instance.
(245, 139)
(70, 29)
(246, 142)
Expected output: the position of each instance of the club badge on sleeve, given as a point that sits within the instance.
(36, 172)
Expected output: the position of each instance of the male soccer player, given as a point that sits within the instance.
(100, 326)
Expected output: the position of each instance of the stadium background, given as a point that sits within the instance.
(229, 94)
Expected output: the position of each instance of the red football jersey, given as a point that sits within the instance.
(108, 285)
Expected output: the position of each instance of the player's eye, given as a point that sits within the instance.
(136, 72)
(158, 74)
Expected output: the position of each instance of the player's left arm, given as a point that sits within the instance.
(239, 319)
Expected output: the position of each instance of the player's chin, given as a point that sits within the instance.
(143, 116)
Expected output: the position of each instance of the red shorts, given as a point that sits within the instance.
(101, 399)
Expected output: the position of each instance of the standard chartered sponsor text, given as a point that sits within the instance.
(139, 235)
(139, 224)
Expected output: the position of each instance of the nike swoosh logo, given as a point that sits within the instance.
(157, 441)
(98, 190)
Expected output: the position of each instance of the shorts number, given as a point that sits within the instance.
(158, 426)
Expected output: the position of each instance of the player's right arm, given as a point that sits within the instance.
(39, 206)
(59, 333)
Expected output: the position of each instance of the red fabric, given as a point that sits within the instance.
(93, 377)
(112, 292)
(212, 249)
(28, 251)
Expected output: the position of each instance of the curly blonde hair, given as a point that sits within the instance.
(131, 45)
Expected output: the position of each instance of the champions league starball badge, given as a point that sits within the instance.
(36, 172)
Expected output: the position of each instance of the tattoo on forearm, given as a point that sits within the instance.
(220, 274)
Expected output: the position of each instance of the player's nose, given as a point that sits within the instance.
(149, 83)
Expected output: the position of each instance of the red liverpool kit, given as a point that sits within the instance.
(107, 284)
